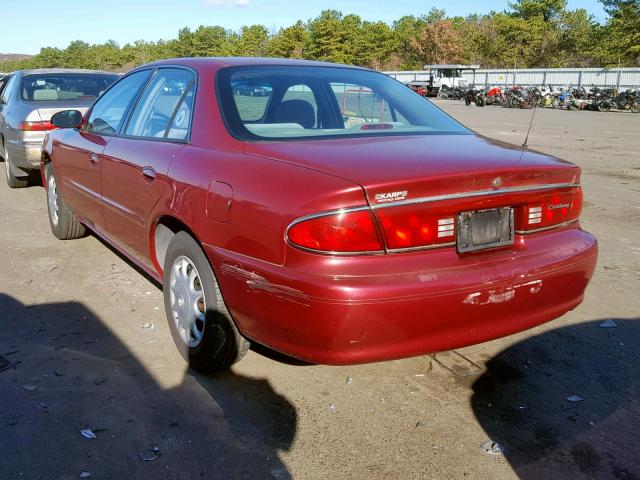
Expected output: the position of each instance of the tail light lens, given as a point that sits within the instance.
(552, 209)
(413, 229)
(343, 232)
(36, 126)
(431, 225)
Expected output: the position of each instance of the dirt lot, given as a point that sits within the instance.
(89, 348)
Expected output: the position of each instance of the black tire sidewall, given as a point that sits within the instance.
(221, 343)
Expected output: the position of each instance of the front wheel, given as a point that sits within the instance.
(635, 107)
(200, 323)
(64, 223)
(481, 101)
(443, 94)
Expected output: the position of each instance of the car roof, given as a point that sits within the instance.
(47, 71)
(221, 62)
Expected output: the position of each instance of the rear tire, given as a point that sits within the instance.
(200, 323)
(12, 180)
(635, 107)
(64, 223)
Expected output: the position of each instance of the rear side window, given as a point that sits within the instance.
(6, 92)
(164, 109)
(64, 86)
(108, 112)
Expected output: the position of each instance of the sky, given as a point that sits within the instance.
(30, 25)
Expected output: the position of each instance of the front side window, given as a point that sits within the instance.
(66, 87)
(108, 112)
(324, 102)
(162, 106)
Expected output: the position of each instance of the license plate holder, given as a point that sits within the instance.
(483, 229)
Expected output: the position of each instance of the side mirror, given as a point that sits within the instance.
(67, 119)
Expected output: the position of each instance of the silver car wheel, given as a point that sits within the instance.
(187, 300)
(52, 196)
(5, 156)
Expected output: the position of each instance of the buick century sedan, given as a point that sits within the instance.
(337, 217)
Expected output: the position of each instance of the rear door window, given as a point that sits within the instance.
(162, 107)
(181, 123)
(108, 112)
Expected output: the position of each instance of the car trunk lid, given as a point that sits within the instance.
(429, 191)
(393, 169)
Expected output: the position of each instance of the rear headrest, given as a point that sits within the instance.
(44, 94)
(296, 111)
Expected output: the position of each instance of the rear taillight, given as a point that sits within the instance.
(414, 229)
(551, 209)
(36, 126)
(341, 232)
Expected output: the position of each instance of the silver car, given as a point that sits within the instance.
(28, 99)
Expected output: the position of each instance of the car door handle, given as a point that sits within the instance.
(93, 158)
(149, 173)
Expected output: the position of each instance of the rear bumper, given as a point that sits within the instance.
(401, 305)
(25, 155)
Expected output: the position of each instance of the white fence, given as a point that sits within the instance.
(621, 78)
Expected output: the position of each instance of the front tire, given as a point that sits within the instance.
(64, 223)
(200, 323)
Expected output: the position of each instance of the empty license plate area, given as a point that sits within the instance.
(485, 229)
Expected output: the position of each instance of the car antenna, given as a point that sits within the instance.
(533, 116)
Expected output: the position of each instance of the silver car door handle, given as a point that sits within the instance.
(149, 173)
(93, 158)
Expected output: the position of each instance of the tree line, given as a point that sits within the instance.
(528, 34)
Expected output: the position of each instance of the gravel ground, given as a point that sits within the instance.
(89, 348)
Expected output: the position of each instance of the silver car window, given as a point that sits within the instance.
(6, 93)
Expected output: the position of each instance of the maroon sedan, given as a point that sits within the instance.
(325, 211)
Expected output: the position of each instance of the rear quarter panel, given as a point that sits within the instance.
(266, 196)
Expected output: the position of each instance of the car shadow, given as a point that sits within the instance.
(566, 403)
(255, 347)
(68, 372)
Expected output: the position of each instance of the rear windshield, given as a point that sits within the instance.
(295, 102)
(64, 86)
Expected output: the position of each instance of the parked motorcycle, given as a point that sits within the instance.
(561, 98)
(601, 99)
(471, 96)
(628, 100)
(491, 96)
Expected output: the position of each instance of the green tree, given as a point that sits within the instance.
(252, 42)
(623, 30)
(289, 42)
